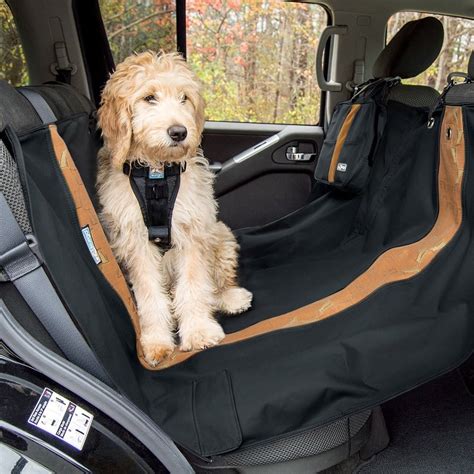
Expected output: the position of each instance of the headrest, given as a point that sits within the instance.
(15, 110)
(470, 67)
(412, 50)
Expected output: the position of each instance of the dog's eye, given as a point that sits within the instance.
(184, 98)
(149, 98)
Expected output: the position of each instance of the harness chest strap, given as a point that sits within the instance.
(156, 191)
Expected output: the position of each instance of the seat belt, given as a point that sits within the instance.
(23, 268)
(40, 105)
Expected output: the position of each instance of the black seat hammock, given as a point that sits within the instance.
(359, 296)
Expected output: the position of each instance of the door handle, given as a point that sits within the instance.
(292, 154)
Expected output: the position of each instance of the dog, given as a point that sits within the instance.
(152, 113)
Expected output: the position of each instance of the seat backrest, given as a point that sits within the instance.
(71, 109)
(410, 52)
(458, 92)
(356, 128)
(57, 166)
(75, 142)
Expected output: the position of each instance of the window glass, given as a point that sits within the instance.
(139, 25)
(256, 58)
(454, 57)
(12, 65)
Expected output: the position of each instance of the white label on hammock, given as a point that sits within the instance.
(156, 173)
(63, 419)
(342, 167)
(86, 233)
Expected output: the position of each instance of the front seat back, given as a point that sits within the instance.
(410, 52)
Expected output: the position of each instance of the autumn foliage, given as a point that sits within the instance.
(256, 58)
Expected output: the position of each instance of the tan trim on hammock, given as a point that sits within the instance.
(396, 264)
(341, 139)
(88, 218)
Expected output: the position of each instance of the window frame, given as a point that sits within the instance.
(94, 44)
(181, 40)
(99, 76)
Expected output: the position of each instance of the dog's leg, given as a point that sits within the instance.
(194, 299)
(153, 305)
(230, 298)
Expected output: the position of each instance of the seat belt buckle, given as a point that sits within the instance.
(20, 260)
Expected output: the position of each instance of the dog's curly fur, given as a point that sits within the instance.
(197, 276)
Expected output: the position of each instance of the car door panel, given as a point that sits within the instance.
(222, 141)
(263, 182)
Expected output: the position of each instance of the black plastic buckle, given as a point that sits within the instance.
(20, 260)
(159, 235)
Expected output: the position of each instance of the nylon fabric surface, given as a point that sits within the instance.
(98, 310)
(320, 249)
(293, 379)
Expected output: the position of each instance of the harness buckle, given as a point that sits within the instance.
(159, 235)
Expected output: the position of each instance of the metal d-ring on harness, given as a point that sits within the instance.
(156, 191)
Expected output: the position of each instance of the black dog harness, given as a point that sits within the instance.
(156, 191)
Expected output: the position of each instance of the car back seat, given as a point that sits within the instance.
(321, 446)
(326, 444)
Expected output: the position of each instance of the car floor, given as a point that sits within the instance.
(431, 430)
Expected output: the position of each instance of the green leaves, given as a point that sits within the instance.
(12, 60)
(256, 59)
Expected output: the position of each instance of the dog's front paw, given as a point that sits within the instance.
(235, 300)
(156, 348)
(201, 335)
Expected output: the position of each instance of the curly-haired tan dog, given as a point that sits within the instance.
(152, 112)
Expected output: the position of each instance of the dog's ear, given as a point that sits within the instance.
(195, 89)
(114, 118)
(200, 106)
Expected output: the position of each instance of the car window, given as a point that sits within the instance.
(139, 25)
(12, 64)
(256, 58)
(458, 45)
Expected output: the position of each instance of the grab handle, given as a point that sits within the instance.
(325, 85)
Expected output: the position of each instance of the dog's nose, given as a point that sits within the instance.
(177, 132)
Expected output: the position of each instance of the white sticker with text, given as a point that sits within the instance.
(58, 416)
